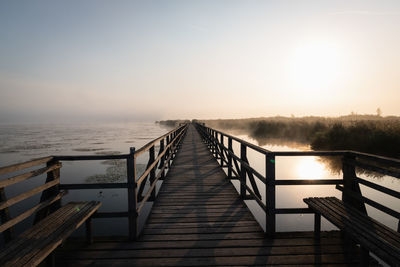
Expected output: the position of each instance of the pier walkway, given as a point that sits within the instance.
(199, 219)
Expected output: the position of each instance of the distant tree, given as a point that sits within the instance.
(379, 112)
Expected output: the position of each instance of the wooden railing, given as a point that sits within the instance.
(239, 168)
(51, 194)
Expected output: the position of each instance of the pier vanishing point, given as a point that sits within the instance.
(198, 217)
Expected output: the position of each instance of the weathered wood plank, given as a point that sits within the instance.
(31, 211)
(366, 236)
(28, 175)
(28, 194)
(218, 261)
(24, 165)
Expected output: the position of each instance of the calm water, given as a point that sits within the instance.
(23, 142)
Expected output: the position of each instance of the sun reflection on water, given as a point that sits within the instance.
(310, 168)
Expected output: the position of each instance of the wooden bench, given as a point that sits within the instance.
(49, 231)
(34, 245)
(371, 235)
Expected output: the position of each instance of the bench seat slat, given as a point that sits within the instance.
(370, 239)
(56, 237)
(18, 244)
(369, 233)
(31, 247)
(371, 224)
(39, 239)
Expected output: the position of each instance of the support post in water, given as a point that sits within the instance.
(132, 194)
(270, 217)
(242, 171)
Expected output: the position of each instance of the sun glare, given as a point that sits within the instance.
(310, 168)
(315, 67)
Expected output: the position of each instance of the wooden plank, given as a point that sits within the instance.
(200, 214)
(93, 186)
(90, 157)
(215, 236)
(378, 187)
(172, 244)
(46, 244)
(28, 175)
(19, 244)
(202, 230)
(5, 216)
(201, 219)
(31, 211)
(200, 225)
(24, 165)
(362, 199)
(208, 252)
(381, 249)
(370, 224)
(28, 194)
(224, 261)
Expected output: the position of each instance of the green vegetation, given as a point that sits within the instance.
(364, 133)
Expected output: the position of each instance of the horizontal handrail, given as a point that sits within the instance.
(379, 188)
(28, 175)
(90, 157)
(176, 141)
(370, 202)
(24, 165)
(151, 143)
(93, 186)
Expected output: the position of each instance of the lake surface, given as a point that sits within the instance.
(19, 143)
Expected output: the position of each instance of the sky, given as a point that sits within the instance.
(98, 60)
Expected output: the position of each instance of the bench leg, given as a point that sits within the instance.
(89, 233)
(317, 225)
(364, 257)
(51, 260)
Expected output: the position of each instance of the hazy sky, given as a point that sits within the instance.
(148, 60)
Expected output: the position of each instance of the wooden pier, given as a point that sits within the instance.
(199, 219)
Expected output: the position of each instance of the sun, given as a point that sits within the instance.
(315, 66)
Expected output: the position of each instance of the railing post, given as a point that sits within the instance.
(48, 193)
(162, 159)
(152, 172)
(270, 217)
(222, 149)
(132, 194)
(242, 171)
(5, 216)
(168, 152)
(350, 184)
(230, 149)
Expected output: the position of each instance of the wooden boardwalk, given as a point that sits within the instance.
(199, 219)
